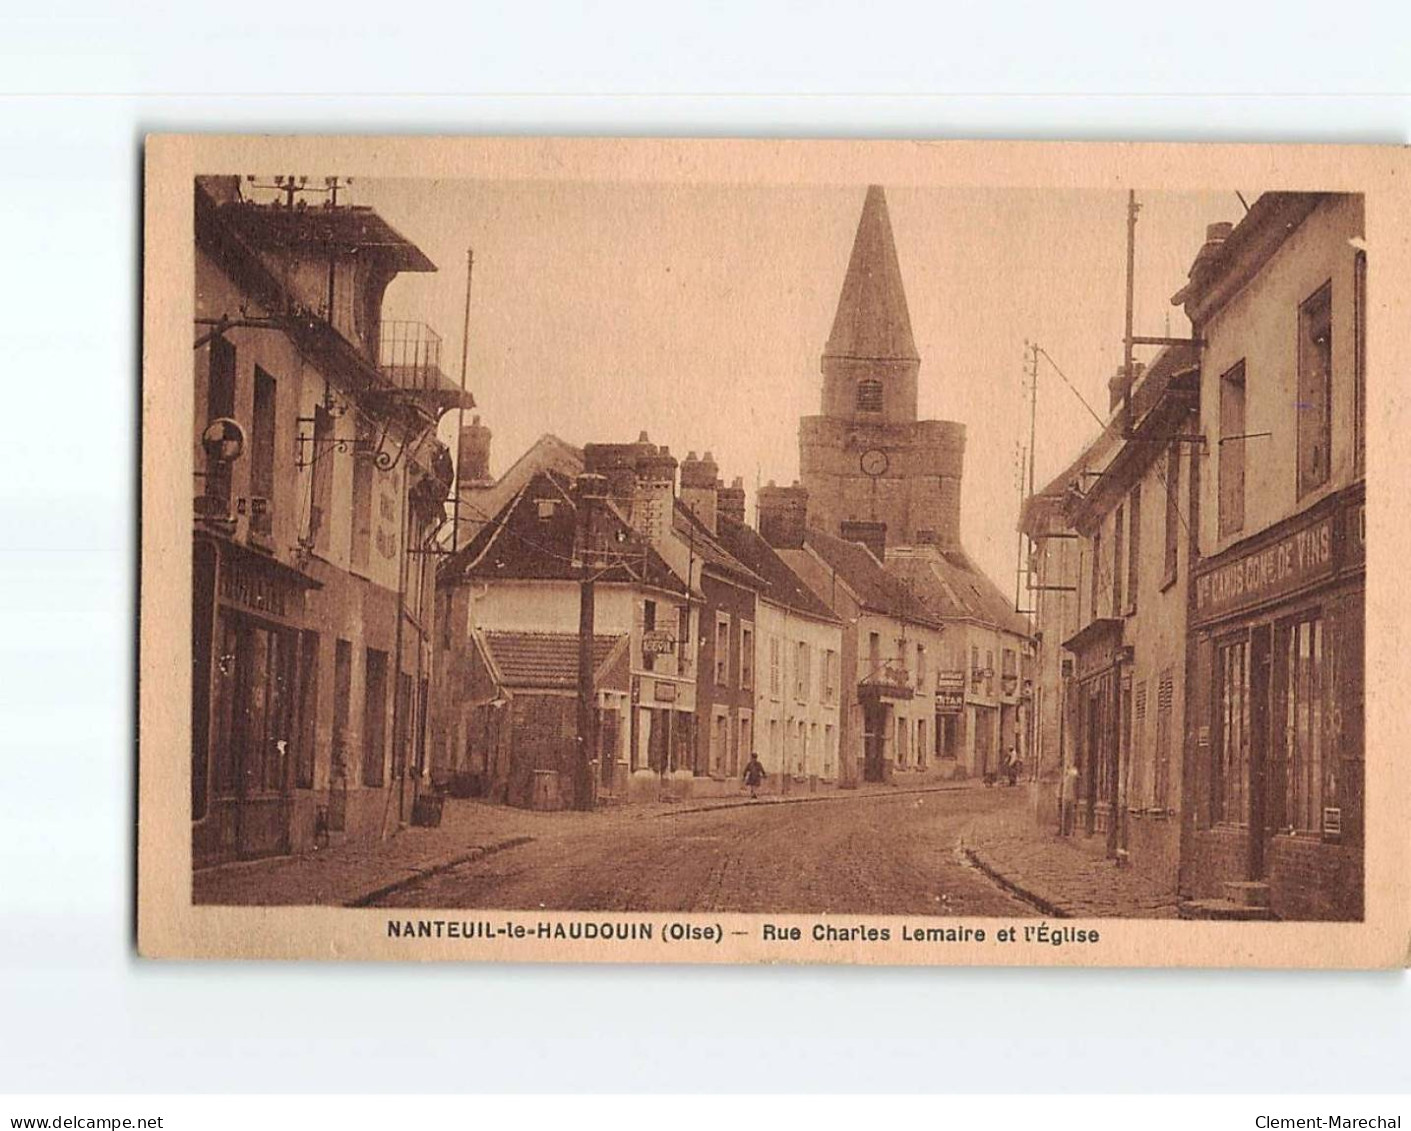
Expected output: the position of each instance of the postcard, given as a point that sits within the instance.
(937, 552)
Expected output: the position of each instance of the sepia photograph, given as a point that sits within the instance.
(881, 562)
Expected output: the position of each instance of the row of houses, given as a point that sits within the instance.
(714, 641)
(1198, 573)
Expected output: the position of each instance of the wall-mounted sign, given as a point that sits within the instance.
(664, 692)
(1297, 558)
(658, 642)
(950, 692)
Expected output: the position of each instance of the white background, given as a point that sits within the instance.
(80, 84)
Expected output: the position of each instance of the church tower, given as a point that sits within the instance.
(873, 472)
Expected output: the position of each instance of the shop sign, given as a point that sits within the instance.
(1296, 559)
(950, 692)
(664, 692)
(658, 642)
(247, 585)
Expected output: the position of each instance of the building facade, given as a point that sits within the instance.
(319, 486)
(1274, 742)
(1124, 698)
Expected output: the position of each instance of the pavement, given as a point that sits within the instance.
(1061, 876)
(914, 847)
(601, 858)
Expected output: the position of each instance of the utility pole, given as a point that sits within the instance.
(590, 490)
(1127, 340)
(460, 416)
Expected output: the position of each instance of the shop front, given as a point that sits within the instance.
(1275, 743)
(253, 696)
(1097, 699)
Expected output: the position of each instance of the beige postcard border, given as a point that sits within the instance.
(168, 924)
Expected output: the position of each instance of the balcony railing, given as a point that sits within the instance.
(409, 355)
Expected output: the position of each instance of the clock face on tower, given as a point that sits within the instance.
(874, 462)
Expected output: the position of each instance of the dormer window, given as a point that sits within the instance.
(869, 395)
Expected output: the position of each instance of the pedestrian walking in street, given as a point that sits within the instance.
(754, 775)
(1012, 764)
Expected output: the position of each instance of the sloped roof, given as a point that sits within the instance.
(525, 541)
(872, 320)
(543, 659)
(877, 590)
(345, 228)
(950, 586)
(547, 453)
(784, 586)
(707, 546)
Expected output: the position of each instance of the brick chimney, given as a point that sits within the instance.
(730, 501)
(700, 482)
(618, 464)
(782, 515)
(473, 454)
(654, 496)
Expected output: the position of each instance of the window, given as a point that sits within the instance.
(374, 716)
(1230, 779)
(1134, 544)
(342, 698)
(1136, 759)
(363, 475)
(869, 395)
(1359, 362)
(308, 710)
(720, 741)
(262, 453)
(745, 747)
(989, 672)
(683, 640)
(1307, 772)
(830, 749)
(649, 624)
(722, 649)
(747, 656)
(1161, 786)
(774, 678)
(321, 491)
(874, 653)
(830, 676)
(920, 744)
(1173, 514)
(220, 402)
(1232, 446)
(920, 665)
(1096, 571)
(1118, 531)
(802, 675)
(1315, 389)
(903, 733)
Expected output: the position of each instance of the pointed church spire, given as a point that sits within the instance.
(872, 320)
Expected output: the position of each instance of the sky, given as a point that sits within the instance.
(698, 313)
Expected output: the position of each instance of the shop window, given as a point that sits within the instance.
(308, 710)
(374, 717)
(1315, 389)
(262, 432)
(1308, 775)
(869, 395)
(1230, 750)
(1232, 449)
(1173, 514)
